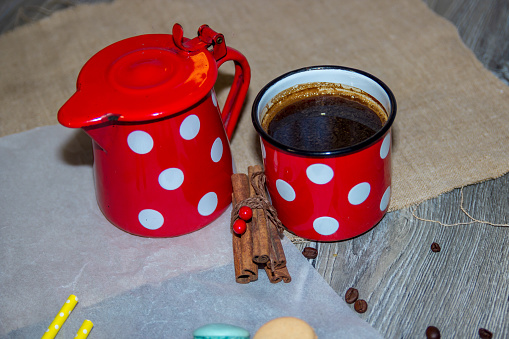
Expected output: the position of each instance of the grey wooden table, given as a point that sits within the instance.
(408, 287)
(465, 286)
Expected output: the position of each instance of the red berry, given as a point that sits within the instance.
(239, 226)
(245, 213)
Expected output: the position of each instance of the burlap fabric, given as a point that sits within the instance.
(452, 127)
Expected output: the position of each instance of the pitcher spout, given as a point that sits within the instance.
(81, 112)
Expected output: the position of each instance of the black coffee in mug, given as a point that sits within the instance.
(323, 117)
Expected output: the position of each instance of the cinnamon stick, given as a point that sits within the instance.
(245, 269)
(277, 254)
(261, 241)
(267, 237)
(277, 258)
(278, 274)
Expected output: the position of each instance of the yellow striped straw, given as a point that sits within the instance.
(84, 329)
(61, 317)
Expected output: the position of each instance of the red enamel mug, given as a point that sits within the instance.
(335, 194)
(162, 160)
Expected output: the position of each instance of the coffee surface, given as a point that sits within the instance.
(323, 122)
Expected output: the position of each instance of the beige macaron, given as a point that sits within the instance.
(286, 327)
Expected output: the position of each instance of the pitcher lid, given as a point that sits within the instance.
(143, 78)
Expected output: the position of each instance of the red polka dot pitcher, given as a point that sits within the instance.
(162, 161)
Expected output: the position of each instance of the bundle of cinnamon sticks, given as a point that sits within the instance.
(260, 245)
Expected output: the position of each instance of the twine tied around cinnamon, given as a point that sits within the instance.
(258, 245)
(259, 201)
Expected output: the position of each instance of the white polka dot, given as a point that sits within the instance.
(319, 173)
(217, 150)
(190, 127)
(171, 178)
(386, 146)
(151, 219)
(214, 99)
(56, 327)
(385, 199)
(207, 204)
(68, 301)
(61, 314)
(359, 193)
(140, 142)
(285, 190)
(85, 331)
(325, 225)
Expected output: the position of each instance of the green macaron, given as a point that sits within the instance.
(220, 331)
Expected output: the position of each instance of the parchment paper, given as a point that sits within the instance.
(54, 241)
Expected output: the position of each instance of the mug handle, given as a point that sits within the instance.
(233, 105)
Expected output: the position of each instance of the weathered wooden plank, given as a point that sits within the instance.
(14, 13)
(408, 287)
(483, 26)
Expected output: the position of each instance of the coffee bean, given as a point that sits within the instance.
(485, 334)
(432, 333)
(351, 295)
(435, 247)
(310, 252)
(360, 306)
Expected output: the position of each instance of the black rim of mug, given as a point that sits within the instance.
(330, 153)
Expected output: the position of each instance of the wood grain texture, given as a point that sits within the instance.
(14, 13)
(408, 287)
(483, 26)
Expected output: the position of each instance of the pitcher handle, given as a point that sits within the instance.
(233, 105)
